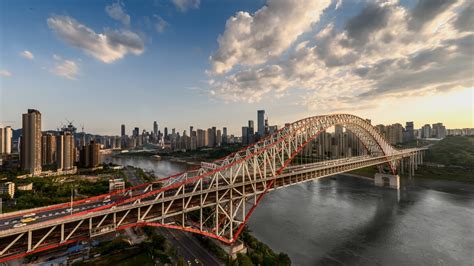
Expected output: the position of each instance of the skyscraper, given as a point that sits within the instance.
(136, 132)
(65, 151)
(218, 138)
(155, 128)
(122, 130)
(214, 136)
(439, 131)
(90, 155)
(48, 149)
(261, 123)
(224, 135)
(245, 132)
(30, 152)
(5, 140)
(409, 129)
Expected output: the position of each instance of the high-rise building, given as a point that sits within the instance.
(245, 132)
(394, 133)
(201, 138)
(426, 131)
(155, 128)
(90, 155)
(166, 133)
(439, 131)
(5, 140)
(409, 129)
(261, 123)
(48, 149)
(30, 151)
(224, 135)
(122, 130)
(218, 138)
(65, 152)
(136, 132)
(214, 136)
(251, 132)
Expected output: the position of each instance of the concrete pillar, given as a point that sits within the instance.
(382, 180)
(409, 167)
(402, 171)
(416, 160)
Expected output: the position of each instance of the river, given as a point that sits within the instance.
(347, 220)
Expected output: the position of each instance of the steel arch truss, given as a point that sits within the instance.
(217, 199)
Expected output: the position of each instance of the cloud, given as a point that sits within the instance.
(427, 10)
(27, 54)
(116, 12)
(465, 20)
(252, 39)
(160, 24)
(106, 47)
(5, 73)
(360, 64)
(184, 5)
(65, 68)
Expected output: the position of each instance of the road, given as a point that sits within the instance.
(189, 248)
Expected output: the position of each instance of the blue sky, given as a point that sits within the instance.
(104, 63)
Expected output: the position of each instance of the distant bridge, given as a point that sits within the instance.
(215, 200)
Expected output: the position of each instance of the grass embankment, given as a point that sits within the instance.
(451, 158)
(455, 155)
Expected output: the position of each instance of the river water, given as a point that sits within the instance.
(348, 221)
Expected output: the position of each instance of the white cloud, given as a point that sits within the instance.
(106, 47)
(27, 54)
(65, 68)
(251, 39)
(363, 63)
(160, 24)
(116, 12)
(5, 73)
(184, 5)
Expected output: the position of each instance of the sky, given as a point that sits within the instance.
(215, 63)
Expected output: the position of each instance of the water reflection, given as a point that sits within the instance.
(346, 220)
(349, 221)
(160, 168)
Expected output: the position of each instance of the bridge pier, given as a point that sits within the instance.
(233, 249)
(387, 180)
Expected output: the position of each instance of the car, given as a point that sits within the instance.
(106, 200)
(29, 215)
(19, 225)
(196, 261)
(28, 220)
(87, 201)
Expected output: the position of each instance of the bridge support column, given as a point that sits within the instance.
(402, 166)
(387, 180)
(234, 249)
(416, 160)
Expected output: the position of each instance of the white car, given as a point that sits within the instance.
(29, 215)
(19, 225)
(106, 200)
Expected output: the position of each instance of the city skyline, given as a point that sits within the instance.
(153, 67)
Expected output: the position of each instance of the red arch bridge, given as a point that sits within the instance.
(215, 200)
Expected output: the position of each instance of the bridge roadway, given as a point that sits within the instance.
(54, 226)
